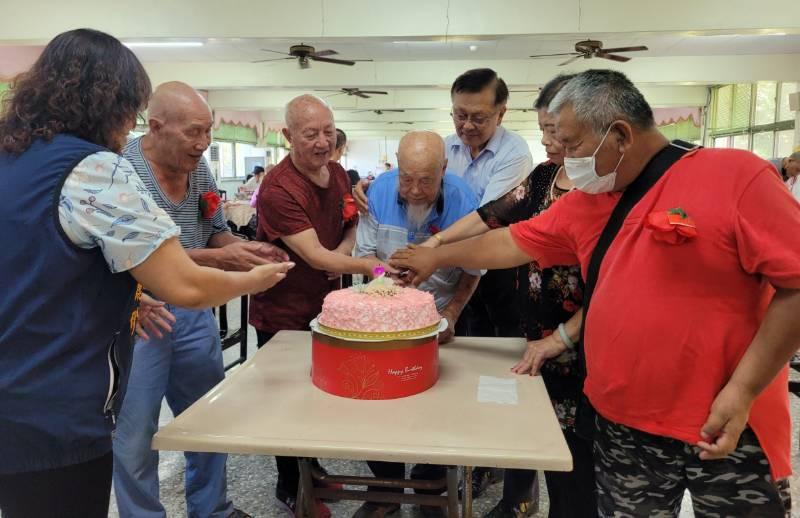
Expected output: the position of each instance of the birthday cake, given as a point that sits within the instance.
(376, 341)
(379, 307)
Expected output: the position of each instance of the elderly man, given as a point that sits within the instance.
(186, 362)
(304, 204)
(492, 160)
(693, 318)
(789, 166)
(409, 205)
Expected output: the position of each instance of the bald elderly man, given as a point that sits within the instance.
(301, 207)
(409, 205)
(186, 361)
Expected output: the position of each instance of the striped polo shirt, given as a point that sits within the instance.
(195, 229)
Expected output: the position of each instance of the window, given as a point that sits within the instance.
(226, 160)
(784, 113)
(763, 143)
(722, 142)
(766, 94)
(754, 117)
(784, 143)
(741, 141)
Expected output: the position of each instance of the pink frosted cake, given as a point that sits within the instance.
(376, 309)
(376, 341)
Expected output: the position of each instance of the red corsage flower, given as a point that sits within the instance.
(349, 208)
(433, 229)
(209, 202)
(671, 226)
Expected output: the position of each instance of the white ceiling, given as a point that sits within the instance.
(419, 46)
(487, 48)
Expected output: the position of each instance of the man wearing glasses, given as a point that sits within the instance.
(492, 161)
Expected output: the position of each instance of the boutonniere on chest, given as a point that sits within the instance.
(673, 226)
(209, 202)
(349, 208)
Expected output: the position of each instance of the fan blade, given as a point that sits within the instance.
(334, 61)
(570, 60)
(276, 52)
(361, 94)
(376, 92)
(555, 55)
(266, 60)
(624, 49)
(613, 57)
(323, 53)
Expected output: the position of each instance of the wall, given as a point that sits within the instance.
(368, 155)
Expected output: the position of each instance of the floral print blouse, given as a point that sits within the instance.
(104, 204)
(546, 296)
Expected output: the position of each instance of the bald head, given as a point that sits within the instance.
(421, 160)
(179, 123)
(421, 149)
(311, 132)
(176, 101)
(304, 108)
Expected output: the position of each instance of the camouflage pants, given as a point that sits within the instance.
(639, 474)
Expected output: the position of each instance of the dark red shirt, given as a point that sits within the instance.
(669, 323)
(289, 203)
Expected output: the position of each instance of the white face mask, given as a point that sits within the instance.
(581, 171)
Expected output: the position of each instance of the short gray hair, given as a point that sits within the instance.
(600, 97)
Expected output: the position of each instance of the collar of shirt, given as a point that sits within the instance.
(493, 146)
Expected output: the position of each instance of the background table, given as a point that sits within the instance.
(238, 212)
(269, 406)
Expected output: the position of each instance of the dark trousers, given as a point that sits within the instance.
(288, 471)
(573, 494)
(493, 309)
(77, 491)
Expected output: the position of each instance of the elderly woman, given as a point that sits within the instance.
(551, 299)
(82, 236)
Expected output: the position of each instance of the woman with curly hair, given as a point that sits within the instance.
(80, 233)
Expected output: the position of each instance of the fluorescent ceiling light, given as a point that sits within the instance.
(163, 44)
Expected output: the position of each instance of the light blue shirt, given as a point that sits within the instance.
(386, 228)
(502, 165)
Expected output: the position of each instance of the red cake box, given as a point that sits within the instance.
(373, 369)
(376, 342)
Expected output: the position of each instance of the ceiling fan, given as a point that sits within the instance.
(378, 112)
(355, 91)
(588, 49)
(303, 53)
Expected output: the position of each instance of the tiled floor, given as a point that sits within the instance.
(251, 479)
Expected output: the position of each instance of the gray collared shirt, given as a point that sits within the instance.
(502, 165)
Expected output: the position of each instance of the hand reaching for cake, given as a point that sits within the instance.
(421, 260)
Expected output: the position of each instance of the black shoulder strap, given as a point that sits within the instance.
(654, 170)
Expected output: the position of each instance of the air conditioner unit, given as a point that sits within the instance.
(213, 160)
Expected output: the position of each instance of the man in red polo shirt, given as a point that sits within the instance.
(693, 318)
(303, 207)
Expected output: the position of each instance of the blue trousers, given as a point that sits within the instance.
(182, 367)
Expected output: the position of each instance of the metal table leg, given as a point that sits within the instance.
(452, 492)
(305, 501)
(466, 503)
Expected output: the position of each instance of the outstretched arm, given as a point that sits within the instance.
(493, 250)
